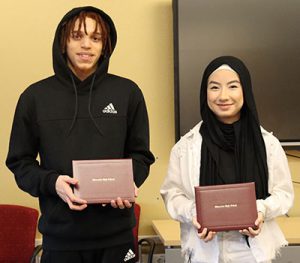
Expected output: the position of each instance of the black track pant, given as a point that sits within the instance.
(119, 254)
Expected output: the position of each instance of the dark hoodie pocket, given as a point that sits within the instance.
(116, 212)
(61, 213)
(112, 125)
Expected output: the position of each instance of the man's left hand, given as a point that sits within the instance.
(119, 203)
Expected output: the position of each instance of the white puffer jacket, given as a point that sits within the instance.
(178, 194)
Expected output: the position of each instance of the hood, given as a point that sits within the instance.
(61, 69)
(64, 73)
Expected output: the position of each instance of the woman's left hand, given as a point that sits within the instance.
(254, 232)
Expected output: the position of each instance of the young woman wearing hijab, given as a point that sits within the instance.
(228, 146)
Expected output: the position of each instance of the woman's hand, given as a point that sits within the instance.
(254, 232)
(205, 235)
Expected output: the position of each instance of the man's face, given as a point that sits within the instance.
(84, 50)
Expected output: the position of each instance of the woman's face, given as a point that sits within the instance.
(225, 95)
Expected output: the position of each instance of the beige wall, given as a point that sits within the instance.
(294, 164)
(144, 53)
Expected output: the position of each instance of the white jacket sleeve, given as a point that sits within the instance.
(178, 197)
(280, 183)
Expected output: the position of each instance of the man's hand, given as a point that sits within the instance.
(204, 235)
(65, 192)
(258, 222)
(119, 203)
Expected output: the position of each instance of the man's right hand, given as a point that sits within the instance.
(65, 192)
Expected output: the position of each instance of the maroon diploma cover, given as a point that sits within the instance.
(101, 181)
(226, 207)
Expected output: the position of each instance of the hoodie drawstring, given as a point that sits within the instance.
(89, 107)
(76, 107)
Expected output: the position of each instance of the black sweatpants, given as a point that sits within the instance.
(119, 254)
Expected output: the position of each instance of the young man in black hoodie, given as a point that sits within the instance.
(82, 112)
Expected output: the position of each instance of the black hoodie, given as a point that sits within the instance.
(62, 119)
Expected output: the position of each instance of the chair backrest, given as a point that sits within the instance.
(17, 233)
(137, 212)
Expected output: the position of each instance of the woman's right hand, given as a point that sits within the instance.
(204, 235)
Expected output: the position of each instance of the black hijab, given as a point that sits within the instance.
(241, 142)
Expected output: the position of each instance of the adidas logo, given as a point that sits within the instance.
(129, 255)
(110, 109)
